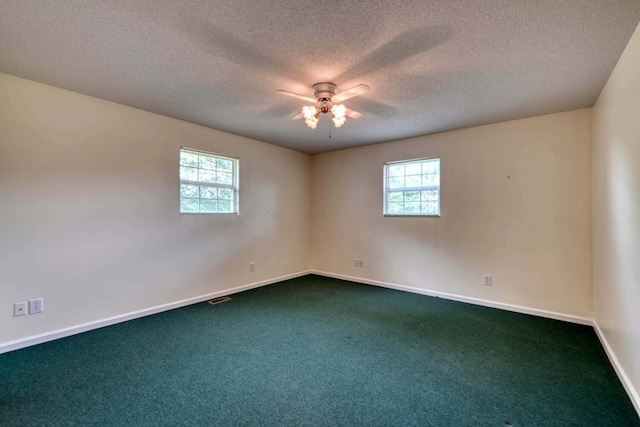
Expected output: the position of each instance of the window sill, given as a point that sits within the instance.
(209, 213)
(412, 216)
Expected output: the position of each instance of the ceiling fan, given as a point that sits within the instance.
(326, 100)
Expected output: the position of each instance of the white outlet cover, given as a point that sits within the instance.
(36, 306)
(487, 280)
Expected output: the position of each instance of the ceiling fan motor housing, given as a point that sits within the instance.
(323, 93)
(324, 90)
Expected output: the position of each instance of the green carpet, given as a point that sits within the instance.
(315, 351)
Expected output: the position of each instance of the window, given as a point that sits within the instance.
(208, 182)
(412, 187)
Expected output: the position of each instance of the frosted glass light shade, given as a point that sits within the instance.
(309, 111)
(338, 111)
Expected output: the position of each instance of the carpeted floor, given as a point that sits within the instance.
(315, 351)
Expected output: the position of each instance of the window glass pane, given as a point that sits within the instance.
(413, 181)
(430, 180)
(224, 165)
(430, 208)
(188, 174)
(207, 162)
(395, 208)
(189, 191)
(396, 182)
(411, 207)
(224, 205)
(431, 166)
(414, 169)
(188, 205)
(224, 178)
(225, 193)
(396, 170)
(411, 196)
(429, 195)
(208, 205)
(395, 196)
(208, 192)
(207, 176)
(188, 159)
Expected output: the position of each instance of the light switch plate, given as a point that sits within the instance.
(19, 309)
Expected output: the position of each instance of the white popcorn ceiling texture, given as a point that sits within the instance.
(432, 66)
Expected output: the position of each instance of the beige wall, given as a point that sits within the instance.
(89, 210)
(516, 204)
(616, 211)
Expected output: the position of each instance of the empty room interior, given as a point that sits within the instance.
(423, 212)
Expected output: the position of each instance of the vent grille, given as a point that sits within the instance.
(218, 300)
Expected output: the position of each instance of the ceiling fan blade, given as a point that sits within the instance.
(349, 93)
(353, 114)
(295, 95)
(297, 117)
(377, 108)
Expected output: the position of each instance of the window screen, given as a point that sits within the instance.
(208, 182)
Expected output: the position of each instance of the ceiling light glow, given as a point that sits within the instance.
(311, 113)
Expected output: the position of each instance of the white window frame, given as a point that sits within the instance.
(387, 189)
(234, 186)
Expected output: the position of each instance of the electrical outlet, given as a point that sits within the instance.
(355, 262)
(36, 306)
(19, 309)
(360, 263)
(487, 281)
(252, 267)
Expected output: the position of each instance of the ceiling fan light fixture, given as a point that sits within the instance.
(338, 111)
(309, 112)
(338, 114)
(311, 116)
(312, 122)
(339, 121)
(324, 94)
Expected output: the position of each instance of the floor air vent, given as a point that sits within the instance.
(218, 300)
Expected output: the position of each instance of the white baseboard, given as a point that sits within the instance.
(72, 330)
(624, 379)
(460, 298)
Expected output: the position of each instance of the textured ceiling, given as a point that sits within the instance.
(432, 66)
